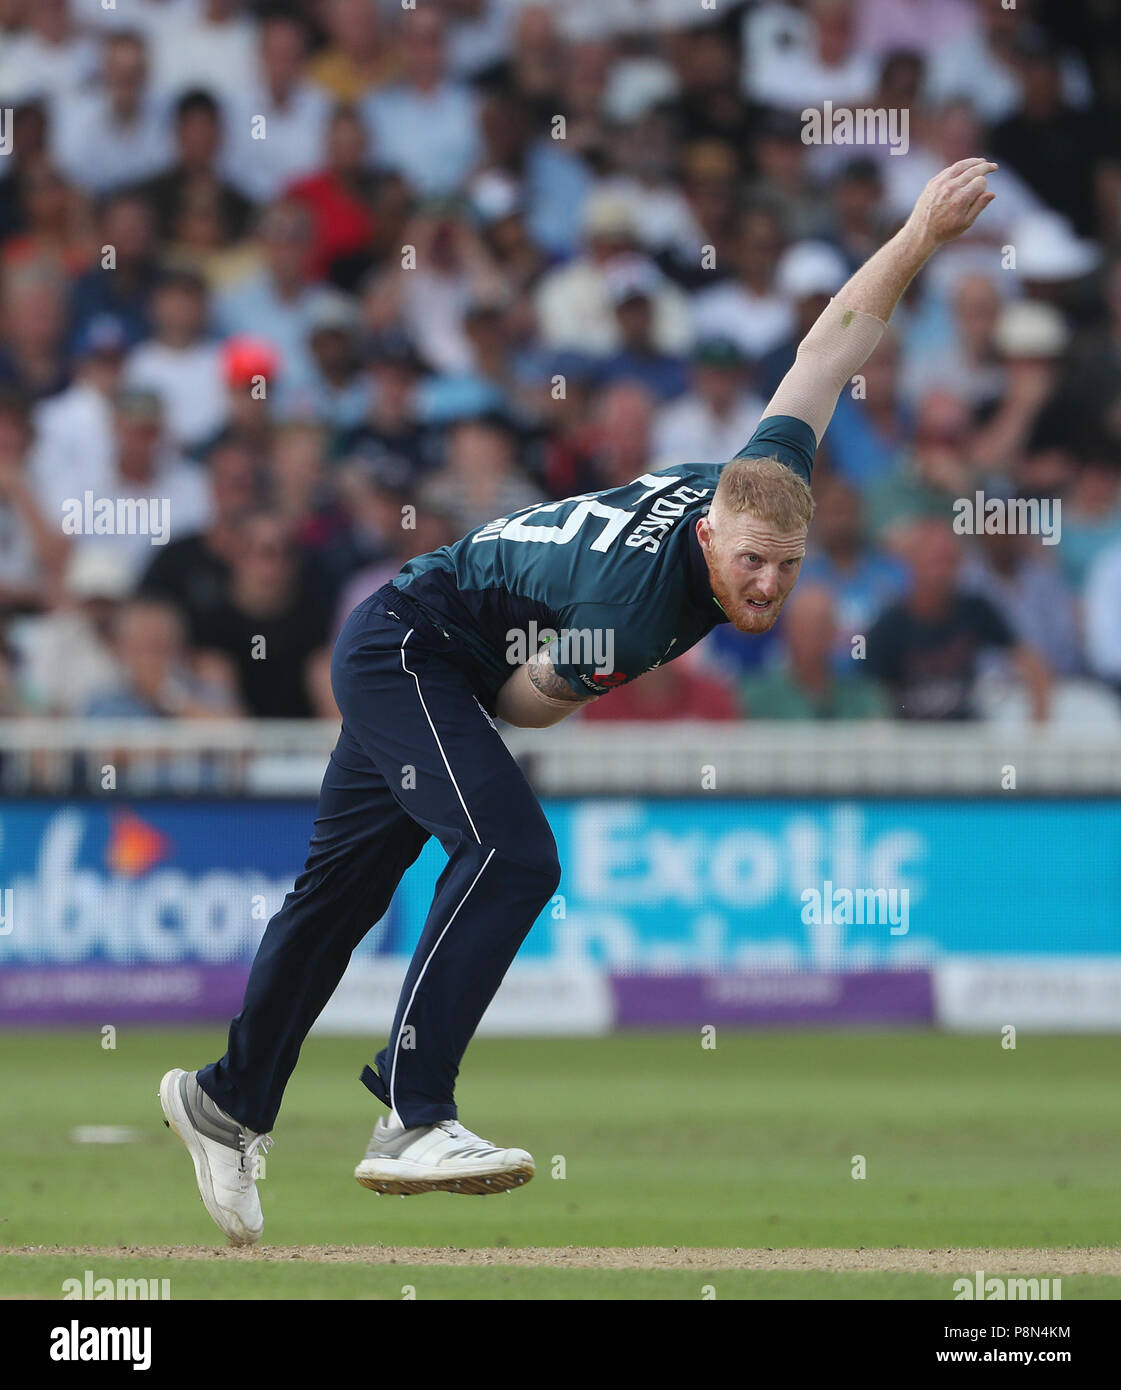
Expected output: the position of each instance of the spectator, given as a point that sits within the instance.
(180, 363)
(192, 572)
(862, 579)
(783, 178)
(214, 48)
(155, 679)
(1103, 616)
(573, 302)
(794, 60)
(276, 303)
(612, 449)
(1021, 579)
(925, 648)
(481, 479)
(28, 150)
(194, 176)
(66, 655)
(145, 466)
(116, 134)
(50, 59)
(57, 234)
(809, 684)
(359, 55)
(340, 197)
(968, 363)
(985, 66)
(120, 284)
(338, 395)
(632, 287)
(749, 308)
(392, 421)
(1068, 157)
(32, 549)
(277, 127)
(1091, 517)
(425, 126)
(937, 471)
(268, 627)
(74, 428)
(32, 326)
(717, 416)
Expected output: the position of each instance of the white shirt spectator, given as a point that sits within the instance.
(574, 310)
(184, 488)
(755, 323)
(479, 43)
(73, 445)
(144, 15)
(688, 431)
(1102, 604)
(63, 662)
(662, 216)
(292, 144)
(432, 310)
(969, 68)
(782, 68)
(189, 52)
(921, 26)
(98, 154)
(30, 67)
(189, 381)
(431, 138)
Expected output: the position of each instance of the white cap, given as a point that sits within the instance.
(1048, 249)
(1030, 328)
(98, 571)
(811, 267)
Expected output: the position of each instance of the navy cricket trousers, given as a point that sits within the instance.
(417, 756)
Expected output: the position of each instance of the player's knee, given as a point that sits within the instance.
(536, 855)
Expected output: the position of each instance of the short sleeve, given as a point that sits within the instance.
(787, 439)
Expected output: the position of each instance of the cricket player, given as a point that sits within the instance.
(421, 669)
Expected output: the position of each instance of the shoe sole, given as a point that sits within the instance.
(179, 1122)
(479, 1185)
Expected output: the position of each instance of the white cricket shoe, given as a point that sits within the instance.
(226, 1156)
(443, 1157)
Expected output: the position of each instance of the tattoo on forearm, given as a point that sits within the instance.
(545, 680)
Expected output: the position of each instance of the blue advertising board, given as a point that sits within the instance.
(648, 885)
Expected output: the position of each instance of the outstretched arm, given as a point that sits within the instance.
(842, 339)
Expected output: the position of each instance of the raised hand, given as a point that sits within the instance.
(952, 200)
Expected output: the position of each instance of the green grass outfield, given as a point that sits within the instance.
(748, 1147)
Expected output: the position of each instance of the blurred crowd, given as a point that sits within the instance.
(341, 279)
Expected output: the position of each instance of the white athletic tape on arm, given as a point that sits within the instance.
(838, 344)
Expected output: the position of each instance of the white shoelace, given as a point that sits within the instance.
(252, 1153)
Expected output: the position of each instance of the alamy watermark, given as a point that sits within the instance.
(994, 1288)
(1009, 516)
(830, 906)
(118, 516)
(862, 125)
(571, 646)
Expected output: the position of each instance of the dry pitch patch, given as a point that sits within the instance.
(1069, 1261)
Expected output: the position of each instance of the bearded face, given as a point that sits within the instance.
(752, 567)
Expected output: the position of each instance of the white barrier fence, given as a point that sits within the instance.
(287, 758)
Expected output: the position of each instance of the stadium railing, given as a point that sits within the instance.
(49, 757)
